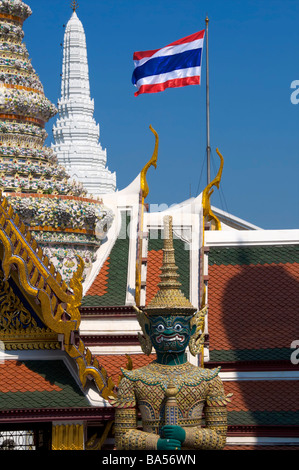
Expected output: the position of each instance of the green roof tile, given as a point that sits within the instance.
(55, 373)
(117, 273)
(263, 418)
(265, 254)
(275, 354)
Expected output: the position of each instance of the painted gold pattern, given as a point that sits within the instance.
(34, 339)
(13, 314)
(68, 437)
(18, 328)
(197, 340)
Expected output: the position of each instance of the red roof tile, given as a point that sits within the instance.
(17, 377)
(253, 306)
(99, 286)
(113, 363)
(263, 395)
(154, 264)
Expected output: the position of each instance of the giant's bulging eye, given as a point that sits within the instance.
(160, 328)
(178, 327)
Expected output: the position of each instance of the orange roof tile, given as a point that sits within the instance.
(263, 395)
(154, 264)
(113, 363)
(17, 377)
(100, 284)
(253, 306)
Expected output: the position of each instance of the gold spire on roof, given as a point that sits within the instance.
(74, 5)
(169, 298)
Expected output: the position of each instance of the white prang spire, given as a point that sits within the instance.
(76, 134)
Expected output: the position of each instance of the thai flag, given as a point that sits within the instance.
(176, 65)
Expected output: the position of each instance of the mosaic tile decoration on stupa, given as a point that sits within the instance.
(252, 290)
(64, 221)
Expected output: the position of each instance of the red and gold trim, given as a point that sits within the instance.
(17, 19)
(20, 87)
(16, 117)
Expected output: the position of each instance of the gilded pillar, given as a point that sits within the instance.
(68, 436)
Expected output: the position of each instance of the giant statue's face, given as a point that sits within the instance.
(170, 334)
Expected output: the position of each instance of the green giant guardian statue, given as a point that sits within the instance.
(182, 406)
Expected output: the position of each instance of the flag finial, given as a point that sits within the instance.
(74, 5)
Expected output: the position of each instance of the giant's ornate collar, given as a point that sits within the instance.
(158, 374)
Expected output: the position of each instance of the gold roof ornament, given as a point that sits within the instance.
(144, 190)
(208, 214)
(169, 298)
(74, 5)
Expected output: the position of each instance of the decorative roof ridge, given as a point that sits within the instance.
(92, 413)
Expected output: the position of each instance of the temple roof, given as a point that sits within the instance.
(114, 362)
(38, 384)
(253, 302)
(54, 303)
(110, 285)
(263, 403)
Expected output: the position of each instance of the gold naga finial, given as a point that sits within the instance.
(208, 191)
(144, 190)
(74, 5)
(152, 162)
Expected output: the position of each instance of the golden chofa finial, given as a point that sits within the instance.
(74, 5)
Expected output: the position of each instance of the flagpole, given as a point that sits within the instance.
(208, 103)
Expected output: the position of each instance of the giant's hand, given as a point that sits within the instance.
(168, 444)
(173, 432)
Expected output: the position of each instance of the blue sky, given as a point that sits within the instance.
(253, 58)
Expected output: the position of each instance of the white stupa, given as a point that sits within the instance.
(76, 134)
